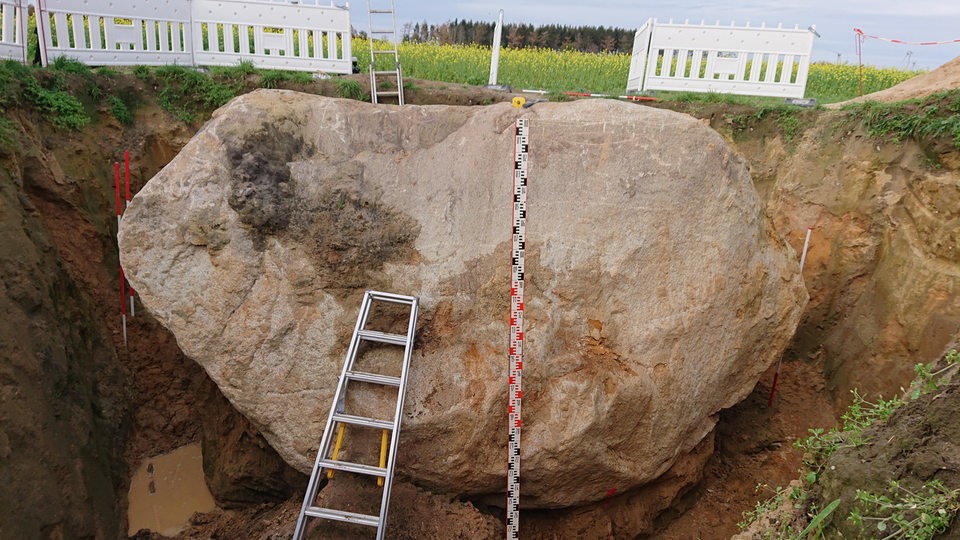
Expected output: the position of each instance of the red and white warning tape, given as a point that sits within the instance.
(521, 145)
(860, 33)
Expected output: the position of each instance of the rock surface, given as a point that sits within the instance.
(657, 291)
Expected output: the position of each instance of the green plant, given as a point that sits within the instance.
(63, 110)
(762, 507)
(187, 92)
(815, 526)
(141, 72)
(786, 531)
(70, 65)
(861, 414)
(351, 89)
(7, 134)
(934, 116)
(927, 380)
(271, 78)
(120, 111)
(903, 513)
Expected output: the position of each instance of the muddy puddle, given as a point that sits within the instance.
(166, 490)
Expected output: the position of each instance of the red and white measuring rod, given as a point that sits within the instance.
(521, 143)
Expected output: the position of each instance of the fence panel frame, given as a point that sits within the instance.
(286, 49)
(737, 59)
(158, 32)
(13, 29)
(287, 35)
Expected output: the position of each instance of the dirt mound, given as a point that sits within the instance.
(945, 77)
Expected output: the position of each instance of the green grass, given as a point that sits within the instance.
(932, 117)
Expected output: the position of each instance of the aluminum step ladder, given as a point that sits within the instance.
(386, 77)
(364, 340)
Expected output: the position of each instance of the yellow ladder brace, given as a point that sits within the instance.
(383, 455)
(336, 449)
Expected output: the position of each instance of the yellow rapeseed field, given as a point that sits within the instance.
(603, 73)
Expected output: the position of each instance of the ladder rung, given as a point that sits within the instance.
(381, 11)
(382, 337)
(374, 378)
(358, 468)
(363, 421)
(383, 31)
(386, 51)
(388, 94)
(342, 515)
(389, 297)
(388, 72)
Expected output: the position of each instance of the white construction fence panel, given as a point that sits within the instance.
(746, 60)
(13, 30)
(105, 32)
(272, 35)
(638, 61)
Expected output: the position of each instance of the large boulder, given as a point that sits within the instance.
(656, 290)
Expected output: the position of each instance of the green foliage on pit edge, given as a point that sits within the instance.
(933, 116)
(787, 118)
(351, 89)
(904, 513)
(861, 414)
(19, 84)
(62, 109)
(785, 529)
(187, 92)
(119, 110)
(7, 135)
(891, 512)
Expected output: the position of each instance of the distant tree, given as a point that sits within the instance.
(626, 42)
(608, 43)
(481, 34)
(514, 37)
(444, 36)
(591, 39)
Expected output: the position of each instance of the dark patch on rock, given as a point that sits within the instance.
(351, 234)
(260, 190)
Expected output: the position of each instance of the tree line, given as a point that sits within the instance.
(592, 39)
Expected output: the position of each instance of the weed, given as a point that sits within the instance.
(557, 96)
(106, 71)
(410, 85)
(814, 528)
(63, 110)
(141, 72)
(70, 65)
(927, 380)
(239, 71)
(7, 135)
(934, 116)
(903, 513)
(762, 507)
(821, 444)
(351, 89)
(187, 92)
(120, 111)
(271, 78)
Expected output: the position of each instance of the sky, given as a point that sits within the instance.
(912, 20)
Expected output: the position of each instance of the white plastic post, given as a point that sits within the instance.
(495, 55)
(806, 245)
